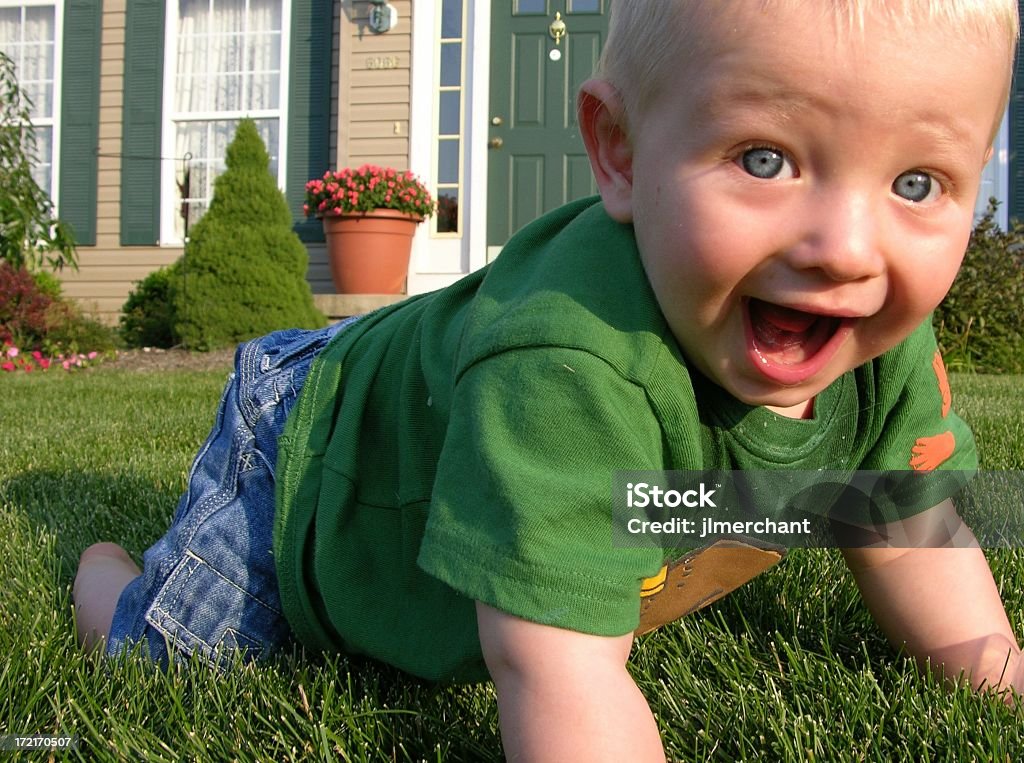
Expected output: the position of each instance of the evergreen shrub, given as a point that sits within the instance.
(147, 318)
(243, 273)
(979, 325)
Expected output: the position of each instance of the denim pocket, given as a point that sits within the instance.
(200, 610)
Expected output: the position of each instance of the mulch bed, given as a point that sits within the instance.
(155, 359)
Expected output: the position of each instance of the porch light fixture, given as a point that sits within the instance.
(383, 16)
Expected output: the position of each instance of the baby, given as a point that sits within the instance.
(787, 189)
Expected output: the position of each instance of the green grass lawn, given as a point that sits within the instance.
(790, 667)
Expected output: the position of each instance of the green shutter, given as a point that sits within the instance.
(1016, 191)
(141, 125)
(80, 118)
(309, 106)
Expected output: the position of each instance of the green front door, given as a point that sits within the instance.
(536, 158)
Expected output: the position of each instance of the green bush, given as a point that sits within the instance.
(71, 332)
(244, 269)
(30, 233)
(147, 318)
(48, 284)
(979, 325)
(34, 316)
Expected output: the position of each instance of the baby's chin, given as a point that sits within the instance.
(796, 399)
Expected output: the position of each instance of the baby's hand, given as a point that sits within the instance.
(930, 452)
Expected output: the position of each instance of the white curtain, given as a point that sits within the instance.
(229, 56)
(27, 36)
(228, 66)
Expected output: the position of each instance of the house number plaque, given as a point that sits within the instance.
(382, 62)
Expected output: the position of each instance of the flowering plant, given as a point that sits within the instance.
(13, 359)
(367, 188)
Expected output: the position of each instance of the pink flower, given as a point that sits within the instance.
(67, 365)
(8, 366)
(92, 355)
(12, 352)
(44, 363)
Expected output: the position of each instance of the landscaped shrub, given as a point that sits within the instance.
(24, 307)
(147, 318)
(979, 325)
(30, 232)
(71, 333)
(32, 317)
(244, 269)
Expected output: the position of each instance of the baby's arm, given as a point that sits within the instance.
(564, 695)
(941, 604)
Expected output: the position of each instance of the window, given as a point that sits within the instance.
(28, 35)
(226, 61)
(451, 81)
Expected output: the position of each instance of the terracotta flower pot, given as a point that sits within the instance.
(369, 251)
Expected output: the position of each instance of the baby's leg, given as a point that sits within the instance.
(103, 572)
(208, 586)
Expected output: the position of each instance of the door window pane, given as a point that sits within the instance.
(530, 7)
(451, 64)
(449, 143)
(451, 19)
(448, 210)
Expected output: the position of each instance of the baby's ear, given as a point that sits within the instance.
(602, 120)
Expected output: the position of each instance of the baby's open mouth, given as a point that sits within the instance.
(790, 345)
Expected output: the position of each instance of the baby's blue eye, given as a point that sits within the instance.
(766, 163)
(916, 186)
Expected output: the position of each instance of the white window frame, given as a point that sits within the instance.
(997, 172)
(52, 122)
(170, 164)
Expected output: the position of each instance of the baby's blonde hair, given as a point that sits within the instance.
(650, 40)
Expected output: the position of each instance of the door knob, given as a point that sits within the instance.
(495, 143)
(557, 28)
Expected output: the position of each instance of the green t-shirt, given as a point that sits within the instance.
(460, 446)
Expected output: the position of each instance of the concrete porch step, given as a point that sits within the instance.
(338, 306)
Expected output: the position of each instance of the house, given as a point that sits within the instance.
(136, 101)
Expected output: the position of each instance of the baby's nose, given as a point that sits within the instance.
(842, 239)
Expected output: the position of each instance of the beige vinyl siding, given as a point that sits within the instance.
(370, 114)
(370, 106)
(373, 100)
(108, 271)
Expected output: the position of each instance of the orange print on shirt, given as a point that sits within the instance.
(940, 374)
(930, 452)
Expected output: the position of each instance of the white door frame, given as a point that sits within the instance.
(440, 261)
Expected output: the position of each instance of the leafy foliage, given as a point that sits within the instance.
(367, 188)
(243, 272)
(147, 318)
(979, 325)
(24, 307)
(34, 316)
(30, 233)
